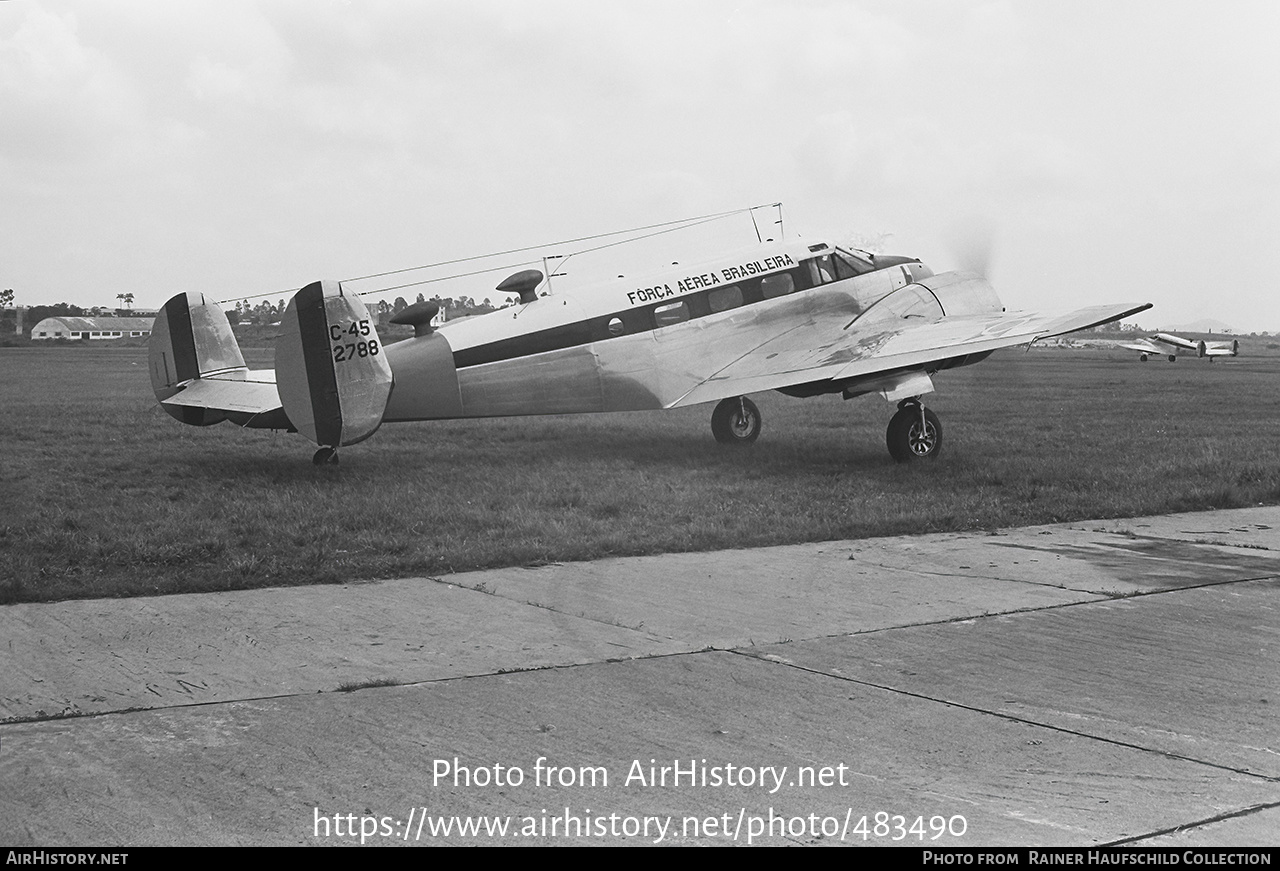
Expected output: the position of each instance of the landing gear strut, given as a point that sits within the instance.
(914, 433)
(325, 455)
(736, 421)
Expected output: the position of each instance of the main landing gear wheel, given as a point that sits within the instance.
(914, 433)
(1142, 357)
(736, 421)
(1173, 358)
(325, 455)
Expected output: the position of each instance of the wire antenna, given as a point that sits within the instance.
(658, 229)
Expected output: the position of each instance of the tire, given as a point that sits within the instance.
(905, 440)
(736, 421)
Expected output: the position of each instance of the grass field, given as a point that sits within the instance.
(105, 495)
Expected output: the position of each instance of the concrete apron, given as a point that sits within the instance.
(1069, 684)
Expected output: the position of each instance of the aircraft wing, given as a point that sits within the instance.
(251, 392)
(1144, 347)
(817, 350)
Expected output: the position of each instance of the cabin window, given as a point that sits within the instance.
(821, 270)
(671, 313)
(725, 298)
(615, 327)
(777, 285)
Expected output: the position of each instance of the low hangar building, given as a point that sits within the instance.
(66, 327)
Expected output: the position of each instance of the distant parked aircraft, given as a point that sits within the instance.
(1169, 343)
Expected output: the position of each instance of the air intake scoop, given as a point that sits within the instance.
(418, 316)
(524, 283)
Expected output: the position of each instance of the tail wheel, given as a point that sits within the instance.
(914, 433)
(736, 421)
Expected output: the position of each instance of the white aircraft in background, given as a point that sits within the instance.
(804, 318)
(1169, 343)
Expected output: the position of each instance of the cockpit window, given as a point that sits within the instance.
(820, 270)
(848, 265)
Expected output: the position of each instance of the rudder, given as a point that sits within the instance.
(190, 339)
(331, 370)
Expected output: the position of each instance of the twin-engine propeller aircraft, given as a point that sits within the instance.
(1169, 344)
(799, 317)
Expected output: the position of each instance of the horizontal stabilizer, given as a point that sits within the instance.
(229, 394)
(1220, 349)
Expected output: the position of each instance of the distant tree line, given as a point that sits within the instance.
(267, 312)
(37, 313)
(463, 306)
(263, 313)
(8, 315)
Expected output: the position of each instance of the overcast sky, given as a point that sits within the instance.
(1111, 151)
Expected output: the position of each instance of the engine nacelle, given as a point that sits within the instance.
(331, 369)
(963, 293)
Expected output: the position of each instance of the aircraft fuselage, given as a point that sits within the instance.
(633, 345)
